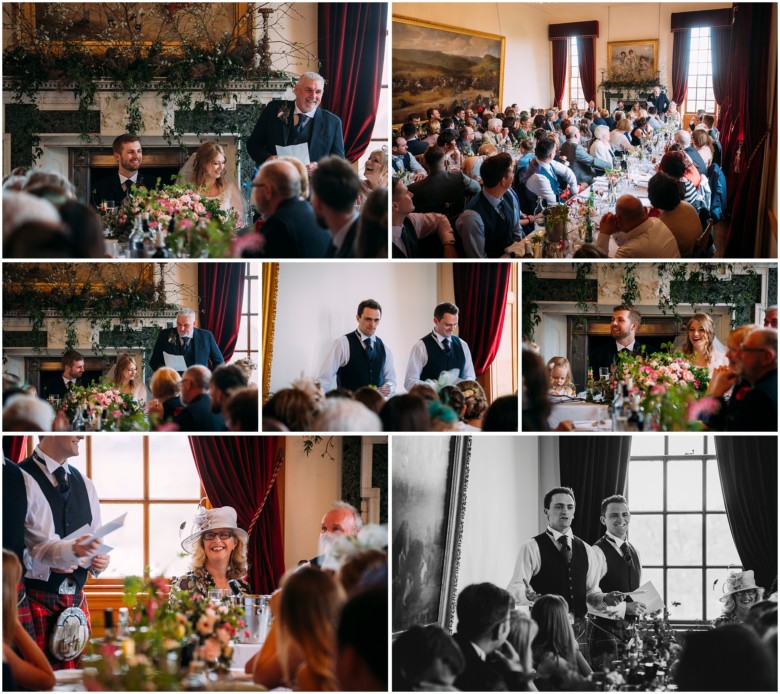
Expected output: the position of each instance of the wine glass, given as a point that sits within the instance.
(604, 373)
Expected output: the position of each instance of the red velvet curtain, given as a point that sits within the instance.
(750, 120)
(238, 471)
(681, 54)
(747, 466)
(480, 293)
(221, 290)
(351, 50)
(594, 467)
(586, 53)
(559, 52)
(14, 447)
(720, 45)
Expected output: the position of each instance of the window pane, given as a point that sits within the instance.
(164, 541)
(647, 445)
(684, 587)
(241, 340)
(117, 466)
(720, 545)
(683, 536)
(130, 560)
(684, 485)
(714, 490)
(657, 578)
(645, 485)
(172, 469)
(646, 535)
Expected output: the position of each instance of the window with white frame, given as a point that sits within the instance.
(248, 340)
(575, 86)
(678, 522)
(700, 94)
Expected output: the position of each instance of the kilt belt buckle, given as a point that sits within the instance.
(69, 634)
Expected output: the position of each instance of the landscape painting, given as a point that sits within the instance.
(440, 66)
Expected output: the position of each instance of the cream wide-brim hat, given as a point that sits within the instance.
(212, 519)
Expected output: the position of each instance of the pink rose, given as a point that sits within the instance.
(210, 650)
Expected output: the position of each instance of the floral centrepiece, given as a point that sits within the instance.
(124, 413)
(201, 228)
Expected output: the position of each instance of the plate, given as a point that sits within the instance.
(68, 676)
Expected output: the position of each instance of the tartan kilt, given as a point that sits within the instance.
(46, 607)
(606, 640)
(23, 610)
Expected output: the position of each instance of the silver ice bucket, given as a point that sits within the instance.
(257, 616)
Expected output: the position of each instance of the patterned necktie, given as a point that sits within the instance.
(185, 343)
(446, 344)
(626, 552)
(565, 548)
(369, 349)
(62, 483)
(302, 119)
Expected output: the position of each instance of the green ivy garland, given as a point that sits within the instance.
(631, 291)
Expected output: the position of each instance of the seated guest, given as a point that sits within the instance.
(86, 229)
(652, 118)
(640, 129)
(345, 414)
(22, 412)
(476, 402)
(536, 394)
(375, 172)
(309, 608)
(443, 417)
(600, 148)
(740, 593)
(405, 413)
(371, 241)
(369, 397)
(410, 228)
(361, 664)
(442, 191)
(556, 655)
(335, 188)
(415, 146)
(303, 174)
(124, 376)
(700, 343)
(666, 194)
(128, 155)
(25, 667)
(472, 165)
(584, 166)
(526, 155)
(290, 229)
(702, 143)
(219, 549)
(674, 163)
(448, 141)
(166, 391)
(683, 138)
(501, 415)
(293, 408)
(492, 220)
(546, 178)
(762, 617)
(71, 376)
(226, 379)
(434, 130)
(642, 237)
(19, 208)
(609, 121)
(404, 162)
(619, 138)
(466, 141)
(496, 133)
(197, 414)
(426, 659)
(454, 398)
(240, 411)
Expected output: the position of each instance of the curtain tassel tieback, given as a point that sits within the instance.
(277, 468)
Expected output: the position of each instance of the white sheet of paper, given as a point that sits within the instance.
(300, 152)
(106, 529)
(648, 596)
(85, 530)
(175, 362)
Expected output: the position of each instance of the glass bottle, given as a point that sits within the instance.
(161, 251)
(136, 239)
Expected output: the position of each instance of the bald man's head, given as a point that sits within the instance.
(630, 212)
(572, 132)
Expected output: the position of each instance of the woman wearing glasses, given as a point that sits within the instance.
(218, 549)
(740, 593)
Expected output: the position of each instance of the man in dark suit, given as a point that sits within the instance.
(195, 345)
(72, 371)
(683, 138)
(415, 145)
(659, 100)
(290, 229)
(128, 155)
(285, 123)
(483, 626)
(442, 191)
(334, 192)
(622, 328)
(584, 165)
(197, 414)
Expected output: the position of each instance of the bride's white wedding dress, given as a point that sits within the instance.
(230, 199)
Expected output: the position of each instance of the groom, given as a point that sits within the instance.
(195, 345)
(285, 123)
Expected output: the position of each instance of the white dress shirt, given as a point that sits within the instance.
(618, 612)
(539, 184)
(650, 239)
(338, 356)
(419, 358)
(39, 561)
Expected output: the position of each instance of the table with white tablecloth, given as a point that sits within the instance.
(587, 416)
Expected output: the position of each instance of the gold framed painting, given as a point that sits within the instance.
(442, 66)
(632, 61)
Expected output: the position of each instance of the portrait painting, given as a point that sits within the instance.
(632, 61)
(429, 492)
(441, 66)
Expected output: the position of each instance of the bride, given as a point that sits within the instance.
(123, 375)
(206, 170)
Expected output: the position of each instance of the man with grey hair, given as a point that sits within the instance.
(195, 345)
(197, 414)
(302, 121)
(770, 317)
(683, 138)
(290, 229)
(584, 165)
(495, 134)
(341, 520)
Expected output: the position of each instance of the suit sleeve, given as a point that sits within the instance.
(337, 146)
(214, 353)
(256, 144)
(157, 360)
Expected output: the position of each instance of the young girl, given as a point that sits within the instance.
(559, 372)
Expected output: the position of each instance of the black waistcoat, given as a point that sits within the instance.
(14, 510)
(558, 577)
(67, 518)
(359, 371)
(304, 136)
(498, 231)
(620, 574)
(439, 360)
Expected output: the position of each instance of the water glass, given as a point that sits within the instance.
(604, 373)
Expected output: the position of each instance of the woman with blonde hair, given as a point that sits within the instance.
(476, 402)
(166, 390)
(309, 609)
(25, 667)
(700, 343)
(375, 171)
(206, 170)
(124, 375)
(620, 137)
(703, 144)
